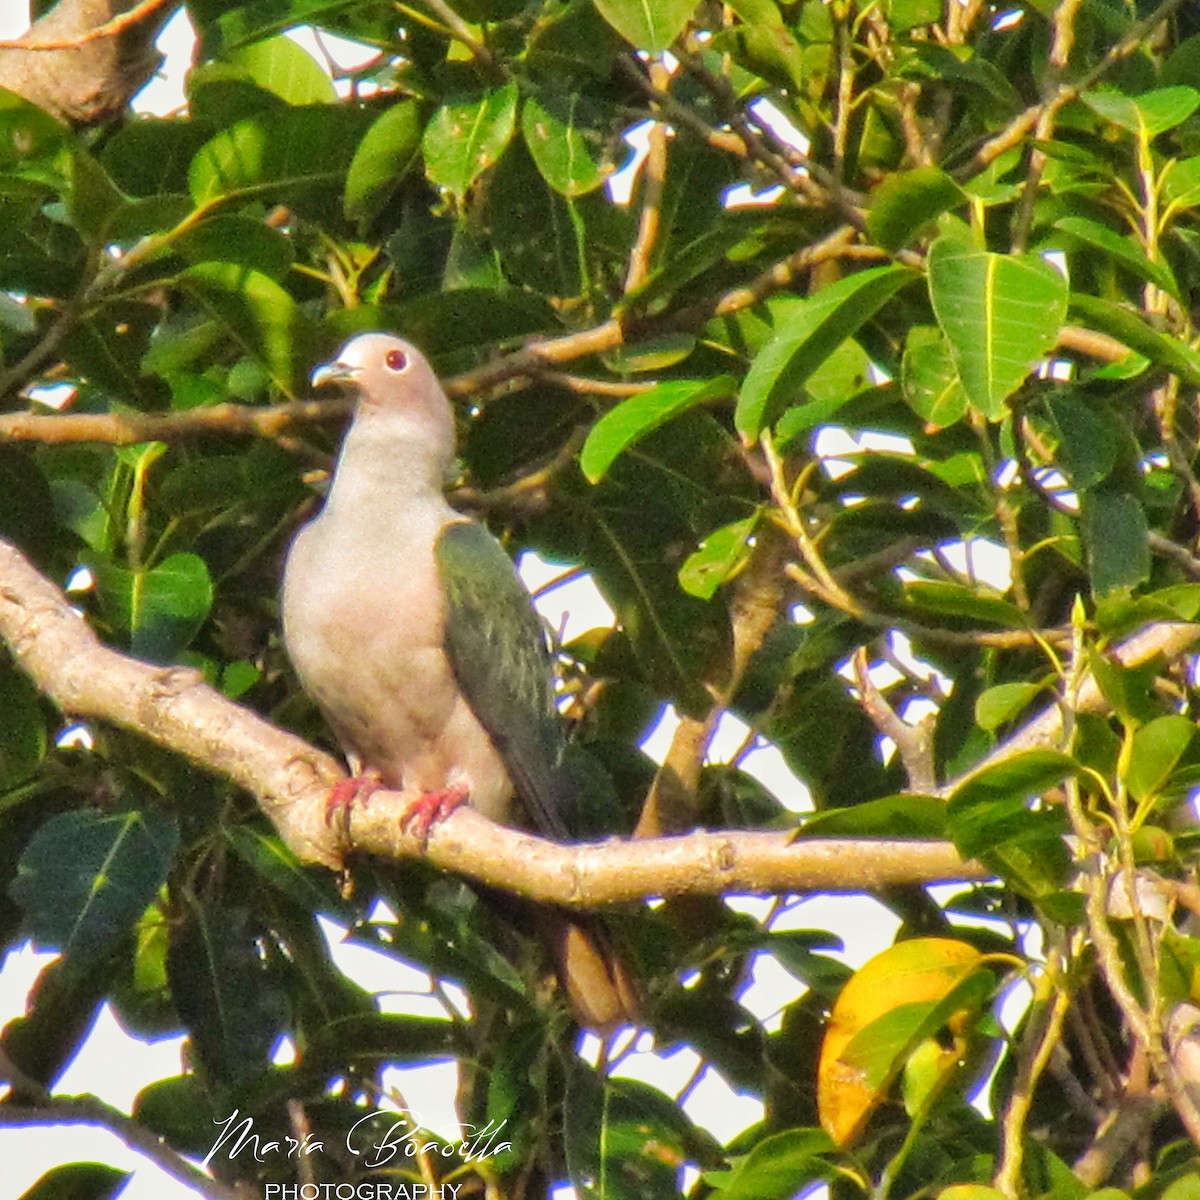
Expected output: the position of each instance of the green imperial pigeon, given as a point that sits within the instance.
(409, 626)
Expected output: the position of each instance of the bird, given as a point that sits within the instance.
(409, 626)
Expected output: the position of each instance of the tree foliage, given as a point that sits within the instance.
(977, 238)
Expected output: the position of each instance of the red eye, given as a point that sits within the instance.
(396, 360)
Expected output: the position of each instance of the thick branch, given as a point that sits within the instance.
(291, 780)
(84, 59)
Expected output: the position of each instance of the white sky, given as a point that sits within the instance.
(115, 1067)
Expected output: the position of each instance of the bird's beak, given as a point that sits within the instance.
(334, 373)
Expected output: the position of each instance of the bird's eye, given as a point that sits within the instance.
(396, 360)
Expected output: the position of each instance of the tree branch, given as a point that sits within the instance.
(90, 1110)
(84, 59)
(291, 780)
(111, 28)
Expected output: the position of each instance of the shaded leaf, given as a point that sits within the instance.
(1132, 258)
(224, 991)
(85, 878)
(930, 379)
(1116, 533)
(1003, 703)
(908, 200)
(1126, 326)
(779, 1166)
(162, 607)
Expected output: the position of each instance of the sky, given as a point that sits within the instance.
(115, 1067)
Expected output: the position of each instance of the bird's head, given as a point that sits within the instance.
(398, 395)
(381, 370)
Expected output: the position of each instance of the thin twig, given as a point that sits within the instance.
(914, 743)
(654, 175)
(111, 28)
(90, 1110)
(1020, 125)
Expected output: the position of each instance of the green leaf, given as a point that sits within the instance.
(257, 313)
(1181, 179)
(1003, 703)
(162, 607)
(1131, 257)
(79, 1181)
(779, 1165)
(150, 158)
(466, 137)
(1147, 115)
(224, 991)
(956, 599)
(563, 133)
(290, 156)
(929, 378)
(584, 1126)
(805, 337)
(633, 419)
(310, 887)
(278, 65)
(1020, 776)
(903, 15)
(240, 240)
(23, 737)
(651, 25)
(1000, 313)
(1088, 439)
(86, 877)
(1126, 326)
(720, 555)
(1116, 534)
(1158, 748)
(94, 199)
(880, 1049)
(902, 816)
(905, 202)
(28, 134)
(382, 160)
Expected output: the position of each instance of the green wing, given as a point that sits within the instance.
(498, 652)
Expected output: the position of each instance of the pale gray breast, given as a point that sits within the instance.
(364, 625)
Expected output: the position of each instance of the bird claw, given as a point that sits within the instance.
(350, 791)
(431, 807)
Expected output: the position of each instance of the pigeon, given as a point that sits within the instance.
(408, 625)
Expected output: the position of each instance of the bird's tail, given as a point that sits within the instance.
(601, 988)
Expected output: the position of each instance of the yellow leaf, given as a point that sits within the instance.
(920, 971)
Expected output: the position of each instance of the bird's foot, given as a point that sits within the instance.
(431, 807)
(348, 792)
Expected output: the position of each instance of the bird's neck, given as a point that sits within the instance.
(390, 459)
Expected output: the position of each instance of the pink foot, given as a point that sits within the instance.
(430, 807)
(348, 792)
